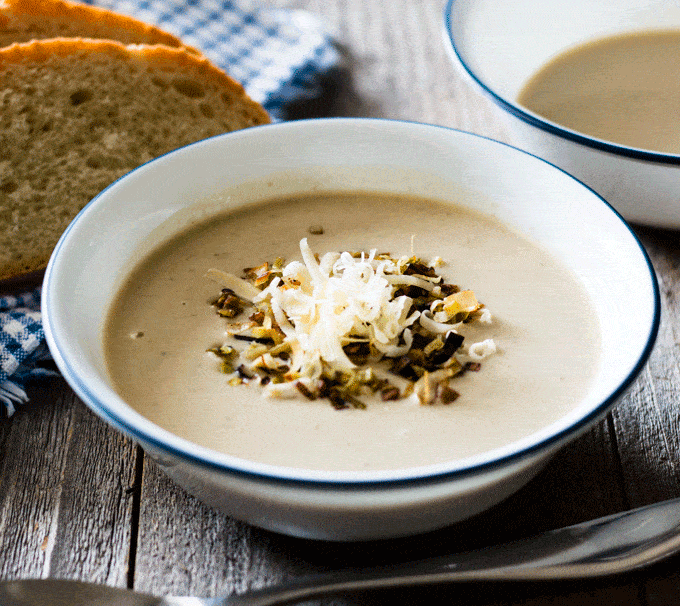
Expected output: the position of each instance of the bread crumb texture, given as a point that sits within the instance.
(75, 115)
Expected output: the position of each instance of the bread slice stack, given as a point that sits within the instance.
(87, 95)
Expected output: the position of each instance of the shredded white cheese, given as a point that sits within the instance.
(312, 310)
(332, 299)
(241, 287)
(481, 350)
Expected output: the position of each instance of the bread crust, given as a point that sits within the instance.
(159, 55)
(27, 66)
(26, 20)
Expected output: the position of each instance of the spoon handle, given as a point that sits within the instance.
(609, 545)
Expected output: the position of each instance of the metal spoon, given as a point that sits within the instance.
(610, 545)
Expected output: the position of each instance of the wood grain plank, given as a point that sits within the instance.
(96, 506)
(65, 507)
(33, 447)
(187, 548)
(648, 428)
(647, 423)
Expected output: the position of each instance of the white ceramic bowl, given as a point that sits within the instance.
(500, 45)
(544, 203)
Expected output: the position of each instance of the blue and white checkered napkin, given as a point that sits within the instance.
(22, 346)
(280, 56)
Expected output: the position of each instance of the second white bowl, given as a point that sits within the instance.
(500, 45)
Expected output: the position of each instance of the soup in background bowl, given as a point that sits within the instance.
(621, 88)
(588, 85)
(128, 316)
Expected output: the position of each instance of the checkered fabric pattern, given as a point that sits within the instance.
(279, 56)
(22, 346)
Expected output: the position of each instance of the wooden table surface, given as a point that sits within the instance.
(78, 500)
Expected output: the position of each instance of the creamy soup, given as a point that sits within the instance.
(161, 323)
(624, 89)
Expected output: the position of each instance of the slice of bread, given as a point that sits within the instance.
(26, 20)
(77, 114)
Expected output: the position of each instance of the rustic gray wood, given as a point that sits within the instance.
(66, 492)
(79, 500)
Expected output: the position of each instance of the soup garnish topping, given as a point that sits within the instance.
(346, 325)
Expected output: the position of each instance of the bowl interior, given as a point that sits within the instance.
(502, 44)
(152, 202)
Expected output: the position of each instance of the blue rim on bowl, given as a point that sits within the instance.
(108, 405)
